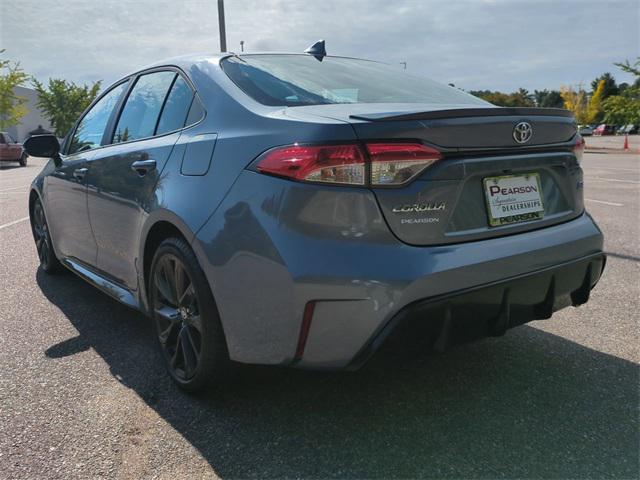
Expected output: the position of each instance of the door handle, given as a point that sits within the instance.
(143, 166)
(79, 173)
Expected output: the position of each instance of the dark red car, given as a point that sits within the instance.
(604, 129)
(11, 151)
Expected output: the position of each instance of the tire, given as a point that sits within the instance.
(188, 328)
(23, 160)
(40, 229)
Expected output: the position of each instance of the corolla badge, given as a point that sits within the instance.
(522, 132)
(419, 207)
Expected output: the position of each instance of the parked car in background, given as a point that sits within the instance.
(585, 130)
(604, 129)
(11, 151)
(630, 129)
(278, 209)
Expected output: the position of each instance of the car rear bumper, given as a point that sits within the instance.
(492, 309)
(541, 272)
(274, 246)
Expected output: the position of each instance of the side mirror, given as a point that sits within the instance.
(43, 146)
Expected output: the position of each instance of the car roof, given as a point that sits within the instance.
(185, 61)
(181, 61)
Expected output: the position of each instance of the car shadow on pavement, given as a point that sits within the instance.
(530, 404)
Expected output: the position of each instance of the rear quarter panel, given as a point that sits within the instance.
(241, 130)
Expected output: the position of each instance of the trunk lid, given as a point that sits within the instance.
(450, 201)
(451, 127)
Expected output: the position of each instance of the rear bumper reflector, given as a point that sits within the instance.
(304, 329)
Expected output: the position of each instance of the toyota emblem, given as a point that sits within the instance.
(522, 132)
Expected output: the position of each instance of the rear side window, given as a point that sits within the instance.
(293, 80)
(196, 112)
(142, 108)
(91, 128)
(176, 108)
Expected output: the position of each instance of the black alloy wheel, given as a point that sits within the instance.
(40, 229)
(178, 319)
(187, 323)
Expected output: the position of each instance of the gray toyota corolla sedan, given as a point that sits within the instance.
(298, 209)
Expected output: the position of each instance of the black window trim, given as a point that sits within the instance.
(109, 131)
(194, 98)
(69, 137)
(164, 102)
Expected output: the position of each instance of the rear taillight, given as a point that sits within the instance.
(343, 164)
(399, 163)
(578, 148)
(390, 163)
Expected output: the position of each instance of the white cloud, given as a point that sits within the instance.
(495, 44)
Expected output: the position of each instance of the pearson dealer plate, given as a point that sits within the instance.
(513, 198)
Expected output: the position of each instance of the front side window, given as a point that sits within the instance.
(91, 128)
(294, 80)
(142, 108)
(176, 108)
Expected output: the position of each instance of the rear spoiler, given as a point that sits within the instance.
(463, 113)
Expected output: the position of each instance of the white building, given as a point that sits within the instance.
(32, 119)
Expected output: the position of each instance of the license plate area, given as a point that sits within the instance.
(513, 198)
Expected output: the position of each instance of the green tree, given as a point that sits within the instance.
(497, 98)
(548, 98)
(624, 109)
(632, 69)
(610, 87)
(521, 98)
(62, 102)
(621, 110)
(12, 106)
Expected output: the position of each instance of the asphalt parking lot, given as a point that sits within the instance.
(83, 393)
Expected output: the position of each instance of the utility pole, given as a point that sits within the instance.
(242, 45)
(223, 33)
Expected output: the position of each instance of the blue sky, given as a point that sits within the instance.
(475, 44)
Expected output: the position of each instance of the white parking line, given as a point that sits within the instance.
(612, 180)
(613, 204)
(26, 178)
(14, 222)
(24, 187)
(598, 167)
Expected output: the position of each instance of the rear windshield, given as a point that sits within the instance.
(294, 80)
